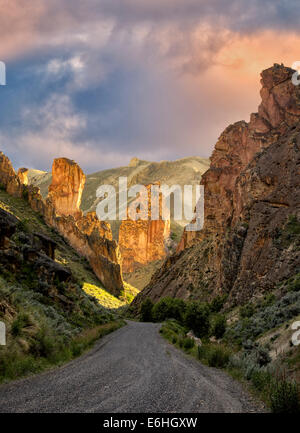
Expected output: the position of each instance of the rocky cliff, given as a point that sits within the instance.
(249, 242)
(66, 188)
(143, 241)
(61, 210)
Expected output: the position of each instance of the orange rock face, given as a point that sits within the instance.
(142, 242)
(61, 210)
(8, 178)
(66, 188)
(23, 175)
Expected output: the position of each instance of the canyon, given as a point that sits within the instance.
(142, 244)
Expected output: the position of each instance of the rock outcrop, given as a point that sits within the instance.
(66, 188)
(61, 210)
(33, 250)
(251, 191)
(143, 241)
(8, 179)
(23, 175)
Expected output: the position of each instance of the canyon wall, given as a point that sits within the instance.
(251, 201)
(66, 188)
(61, 210)
(141, 241)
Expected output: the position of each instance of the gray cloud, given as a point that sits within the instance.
(122, 78)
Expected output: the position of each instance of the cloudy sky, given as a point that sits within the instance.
(100, 81)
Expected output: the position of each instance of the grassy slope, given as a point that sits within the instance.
(142, 276)
(64, 253)
(41, 332)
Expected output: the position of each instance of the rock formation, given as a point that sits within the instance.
(23, 175)
(8, 179)
(66, 188)
(141, 241)
(251, 193)
(61, 210)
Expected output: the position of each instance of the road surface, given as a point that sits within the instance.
(132, 370)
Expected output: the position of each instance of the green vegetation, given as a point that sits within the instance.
(240, 346)
(46, 350)
(49, 320)
(265, 315)
(289, 234)
(196, 316)
(284, 397)
(218, 326)
(30, 221)
(217, 303)
(168, 308)
(293, 225)
(141, 276)
(146, 310)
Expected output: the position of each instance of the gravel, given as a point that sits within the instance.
(132, 370)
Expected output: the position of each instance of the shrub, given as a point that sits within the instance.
(19, 323)
(293, 225)
(261, 379)
(25, 194)
(262, 356)
(178, 309)
(43, 345)
(197, 318)
(294, 284)
(284, 397)
(218, 357)
(174, 339)
(23, 225)
(219, 326)
(217, 303)
(188, 343)
(168, 308)
(146, 310)
(200, 352)
(247, 311)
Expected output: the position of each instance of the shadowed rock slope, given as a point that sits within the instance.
(90, 237)
(250, 240)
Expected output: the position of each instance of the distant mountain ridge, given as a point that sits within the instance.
(184, 171)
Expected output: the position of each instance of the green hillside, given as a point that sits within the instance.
(65, 255)
(53, 310)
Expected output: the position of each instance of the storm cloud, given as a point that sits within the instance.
(102, 81)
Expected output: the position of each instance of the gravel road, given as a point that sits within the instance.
(132, 370)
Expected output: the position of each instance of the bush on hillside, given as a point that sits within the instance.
(217, 303)
(218, 327)
(284, 397)
(168, 308)
(218, 357)
(197, 318)
(146, 310)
